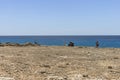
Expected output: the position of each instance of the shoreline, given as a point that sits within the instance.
(38, 45)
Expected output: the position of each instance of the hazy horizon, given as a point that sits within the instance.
(59, 17)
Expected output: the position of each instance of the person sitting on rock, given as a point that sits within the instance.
(71, 44)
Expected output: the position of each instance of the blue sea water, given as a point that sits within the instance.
(105, 41)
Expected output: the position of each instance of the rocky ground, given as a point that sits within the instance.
(59, 63)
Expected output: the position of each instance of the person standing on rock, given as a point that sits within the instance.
(97, 44)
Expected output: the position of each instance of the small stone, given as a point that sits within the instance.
(85, 75)
(110, 67)
(43, 72)
(116, 58)
(67, 64)
(47, 66)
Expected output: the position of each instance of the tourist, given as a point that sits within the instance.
(97, 44)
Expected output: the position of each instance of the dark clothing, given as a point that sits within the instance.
(97, 44)
(71, 44)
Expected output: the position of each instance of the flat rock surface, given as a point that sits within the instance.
(59, 63)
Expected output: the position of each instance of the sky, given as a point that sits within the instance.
(59, 17)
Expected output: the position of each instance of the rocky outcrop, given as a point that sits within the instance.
(18, 44)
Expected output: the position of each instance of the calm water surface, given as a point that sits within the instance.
(105, 41)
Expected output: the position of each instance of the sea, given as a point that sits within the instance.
(87, 41)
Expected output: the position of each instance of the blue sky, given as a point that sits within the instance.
(59, 17)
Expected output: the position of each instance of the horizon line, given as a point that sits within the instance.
(63, 35)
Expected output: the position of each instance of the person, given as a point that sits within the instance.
(71, 44)
(97, 44)
(65, 44)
